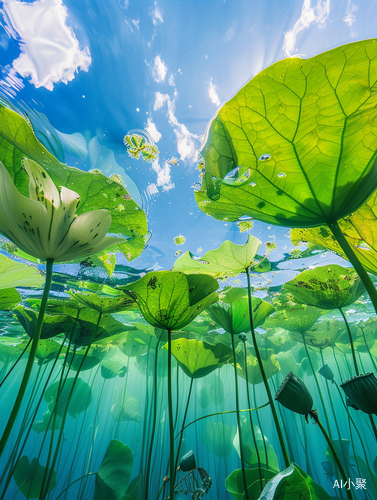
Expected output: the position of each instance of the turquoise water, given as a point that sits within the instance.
(77, 81)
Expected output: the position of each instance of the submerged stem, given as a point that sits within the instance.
(351, 340)
(171, 423)
(260, 363)
(239, 422)
(30, 361)
(314, 415)
(352, 257)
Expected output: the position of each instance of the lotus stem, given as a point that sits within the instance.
(183, 424)
(252, 425)
(150, 451)
(352, 257)
(75, 481)
(171, 423)
(314, 415)
(15, 363)
(265, 381)
(351, 340)
(239, 421)
(30, 361)
(373, 425)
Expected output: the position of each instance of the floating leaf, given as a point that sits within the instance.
(197, 359)
(53, 324)
(296, 119)
(9, 298)
(111, 368)
(294, 317)
(18, 274)
(103, 299)
(270, 365)
(171, 300)
(232, 312)
(226, 260)
(29, 477)
(326, 287)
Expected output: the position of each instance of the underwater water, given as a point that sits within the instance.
(187, 250)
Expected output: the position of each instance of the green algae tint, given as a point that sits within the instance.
(129, 382)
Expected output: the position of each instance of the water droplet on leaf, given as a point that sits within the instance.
(282, 174)
(265, 157)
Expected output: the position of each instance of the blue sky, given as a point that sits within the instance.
(93, 70)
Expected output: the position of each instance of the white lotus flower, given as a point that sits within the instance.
(45, 225)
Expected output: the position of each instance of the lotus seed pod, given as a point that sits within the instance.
(326, 372)
(362, 391)
(188, 462)
(243, 337)
(294, 395)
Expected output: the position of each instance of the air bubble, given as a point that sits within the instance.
(265, 157)
(282, 174)
(252, 184)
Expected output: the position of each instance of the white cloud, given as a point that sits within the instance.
(159, 70)
(152, 189)
(163, 175)
(318, 14)
(350, 17)
(50, 51)
(213, 94)
(229, 34)
(152, 130)
(159, 100)
(171, 80)
(185, 139)
(126, 4)
(157, 15)
(136, 23)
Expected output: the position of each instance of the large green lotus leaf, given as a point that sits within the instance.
(293, 484)
(296, 317)
(216, 391)
(18, 274)
(47, 423)
(287, 363)
(325, 334)
(218, 438)
(53, 324)
(9, 298)
(296, 145)
(56, 306)
(232, 312)
(171, 300)
(227, 260)
(235, 485)
(17, 141)
(78, 361)
(47, 351)
(10, 352)
(81, 396)
(103, 302)
(111, 368)
(133, 491)
(360, 231)
(270, 364)
(136, 343)
(204, 397)
(29, 477)
(125, 407)
(326, 287)
(114, 473)
(197, 359)
(86, 331)
(269, 461)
